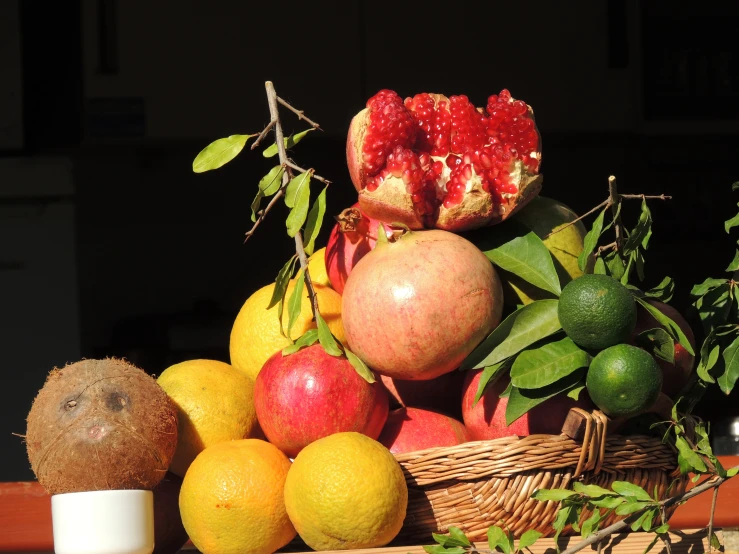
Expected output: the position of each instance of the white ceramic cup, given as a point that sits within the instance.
(103, 522)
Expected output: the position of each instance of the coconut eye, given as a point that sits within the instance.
(116, 401)
(70, 405)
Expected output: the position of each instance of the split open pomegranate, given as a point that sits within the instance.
(437, 162)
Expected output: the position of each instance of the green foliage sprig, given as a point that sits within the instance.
(291, 183)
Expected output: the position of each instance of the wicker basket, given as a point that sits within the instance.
(478, 484)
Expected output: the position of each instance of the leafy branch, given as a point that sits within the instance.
(289, 182)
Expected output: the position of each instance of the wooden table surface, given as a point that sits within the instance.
(25, 513)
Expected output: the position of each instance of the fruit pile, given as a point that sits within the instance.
(448, 261)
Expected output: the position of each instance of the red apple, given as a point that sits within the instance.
(411, 429)
(486, 419)
(674, 376)
(169, 534)
(440, 394)
(310, 394)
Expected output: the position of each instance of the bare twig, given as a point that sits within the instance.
(583, 216)
(263, 134)
(279, 139)
(605, 247)
(299, 113)
(616, 527)
(710, 521)
(290, 164)
(607, 202)
(600, 545)
(645, 197)
(263, 213)
(614, 201)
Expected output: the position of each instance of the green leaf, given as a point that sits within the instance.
(528, 538)
(624, 488)
(591, 490)
(615, 265)
(575, 392)
(672, 328)
(658, 343)
(296, 188)
(539, 367)
(590, 524)
(662, 528)
(714, 307)
(609, 502)
(528, 258)
(300, 201)
(693, 460)
(629, 507)
(282, 281)
(636, 525)
(662, 292)
(307, 339)
(520, 329)
(521, 401)
(295, 302)
(730, 223)
(705, 286)
(489, 375)
(563, 517)
(326, 338)
(715, 543)
(555, 495)
(271, 183)
(734, 265)
(315, 220)
(268, 185)
(640, 235)
(600, 267)
(591, 240)
(728, 378)
(290, 141)
(498, 539)
(455, 538)
(507, 392)
(732, 471)
(219, 152)
(359, 366)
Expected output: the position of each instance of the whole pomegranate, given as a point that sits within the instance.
(414, 308)
(486, 419)
(352, 237)
(411, 429)
(432, 161)
(310, 394)
(674, 376)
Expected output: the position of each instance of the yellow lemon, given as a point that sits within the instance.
(346, 491)
(256, 336)
(215, 403)
(317, 268)
(232, 499)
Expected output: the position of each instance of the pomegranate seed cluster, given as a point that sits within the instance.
(426, 138)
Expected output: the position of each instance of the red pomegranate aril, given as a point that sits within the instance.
(398, 148)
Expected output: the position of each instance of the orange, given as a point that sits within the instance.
(317, 268)
(215, 403)
(232, 499)
(346, 491)
(255, 335)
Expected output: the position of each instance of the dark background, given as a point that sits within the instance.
(110, 245)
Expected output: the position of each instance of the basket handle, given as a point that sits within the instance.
(591, 429)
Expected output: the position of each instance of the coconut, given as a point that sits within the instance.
(100, 425)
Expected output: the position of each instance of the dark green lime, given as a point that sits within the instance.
(596, 311)
(623, 380)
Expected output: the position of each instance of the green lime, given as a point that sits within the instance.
(623, 380)
(596, 311)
